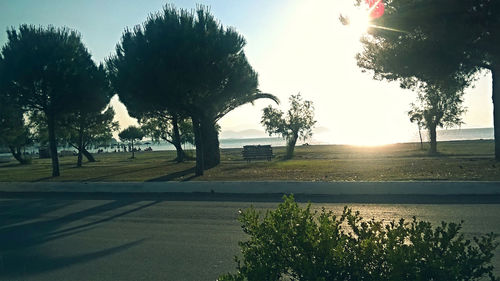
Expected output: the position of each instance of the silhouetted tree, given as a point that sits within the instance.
(48, 71)
(297, 123)
(90, 122)
(168, 127)
(85, 128)
(436, 108)
(131, 134)
(437, 40)
(15, 133)
(184, 62)
(416, 115)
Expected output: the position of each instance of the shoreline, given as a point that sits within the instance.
(8, 153)
(269, 140)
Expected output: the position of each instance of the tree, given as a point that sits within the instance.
(91, 121)
(163, 126)
(297, 123)
(436, 108)
(434, 40)
(131, 134)
(49, 70)
(296, 243)
(416, 115)
(185, 63)
(85, 128)
(15, 134)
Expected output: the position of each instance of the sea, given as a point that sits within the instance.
(442, 135)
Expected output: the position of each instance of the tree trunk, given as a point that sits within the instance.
(88, 155)
(80, 157)
(420, 135)
(80, 148)
(53, 145)
(176, 139)
(495, 76)
(181, 155)
(211, 150)
(290, 146)
(198, 140)
(433, 139)
(133, 151)
(18, 155)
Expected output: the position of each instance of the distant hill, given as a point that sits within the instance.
(244, 134)
(254, 133)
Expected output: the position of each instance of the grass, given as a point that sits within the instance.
(461, 161)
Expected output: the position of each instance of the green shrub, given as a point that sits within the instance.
(294, 243)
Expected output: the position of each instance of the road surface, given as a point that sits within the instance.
(137, 239)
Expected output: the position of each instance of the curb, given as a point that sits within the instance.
(333, 192)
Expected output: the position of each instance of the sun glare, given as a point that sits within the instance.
(357, 19)
(360, 22)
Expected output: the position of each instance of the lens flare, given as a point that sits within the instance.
(376, 8)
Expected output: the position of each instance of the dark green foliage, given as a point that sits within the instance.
(90, 122)
(297, 123)
(187, 63)
(15, 133)
(50, 74)
(14, 130)
(131, 134)
(294, 243)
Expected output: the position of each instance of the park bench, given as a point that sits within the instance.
(255, 152)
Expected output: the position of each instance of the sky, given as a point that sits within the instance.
(294, 45)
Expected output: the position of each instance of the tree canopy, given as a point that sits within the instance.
(437, 107)
(185, 62)
(131, 134)
(446, 41)
(91, 121)
(15, 131)
(297, 123)
(50, 73)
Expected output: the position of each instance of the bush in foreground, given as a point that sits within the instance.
(294, 243)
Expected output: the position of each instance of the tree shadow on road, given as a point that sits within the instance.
(27, 225)
(18, 265)
(18, 211)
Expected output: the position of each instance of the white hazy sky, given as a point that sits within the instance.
(294, 45)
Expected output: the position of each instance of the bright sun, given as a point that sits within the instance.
(359, 22)
(358, 18)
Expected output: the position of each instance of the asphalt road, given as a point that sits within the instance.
(125, 239)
